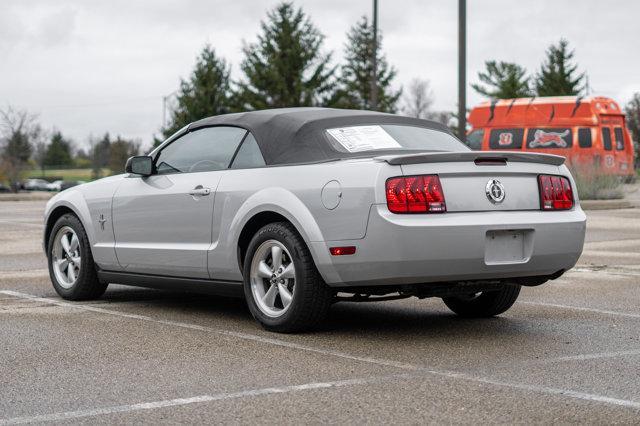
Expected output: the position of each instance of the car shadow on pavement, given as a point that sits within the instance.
(426, 318)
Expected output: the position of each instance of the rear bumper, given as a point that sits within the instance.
(412, 249)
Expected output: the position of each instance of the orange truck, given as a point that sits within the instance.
(590, 132)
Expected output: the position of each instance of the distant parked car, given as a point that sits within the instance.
(66, 184)
(56, 185)
(36, 185)
(4, 188)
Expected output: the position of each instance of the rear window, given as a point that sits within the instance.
(606, 138)
(584, 138)
(474, 139)
(506, 138)
(391, 137)
(549, 138)
(619, 138)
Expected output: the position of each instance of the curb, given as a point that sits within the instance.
(605, 204)
(27, 196)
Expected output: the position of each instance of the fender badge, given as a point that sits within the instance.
(102, 221)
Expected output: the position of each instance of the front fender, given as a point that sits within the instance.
(73, 200)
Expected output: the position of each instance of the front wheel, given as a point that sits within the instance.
(484, 304)
(71, 267)
(283, 288)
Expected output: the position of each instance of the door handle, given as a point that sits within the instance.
(200, 191)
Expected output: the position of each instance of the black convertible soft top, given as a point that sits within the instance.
(296, 135)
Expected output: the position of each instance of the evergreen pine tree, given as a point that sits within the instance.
(503, 80)
(58, 152)
(354, 83)
(558, 75)
(285, 67)
(204, 94)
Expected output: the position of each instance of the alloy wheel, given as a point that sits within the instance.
(273, 278)
(65, 257)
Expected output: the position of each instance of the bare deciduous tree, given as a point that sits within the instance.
(18, 133)
(419, 99)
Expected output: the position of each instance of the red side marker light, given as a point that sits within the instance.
(342, 251)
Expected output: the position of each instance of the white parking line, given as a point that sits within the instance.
(33, 273)
(18, 222)
(377, 361)
(66, 415)
(586, 357)
(619, 271)
(580, 308)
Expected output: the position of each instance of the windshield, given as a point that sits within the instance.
(391, 137)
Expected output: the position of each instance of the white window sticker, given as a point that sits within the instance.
(363, 138)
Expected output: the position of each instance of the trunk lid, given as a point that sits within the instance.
(474, 181)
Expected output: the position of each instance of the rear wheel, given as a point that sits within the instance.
(283, 288)
(484, 304)
(71, 267)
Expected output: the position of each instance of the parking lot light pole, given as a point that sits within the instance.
(374, 59)
(462, 68)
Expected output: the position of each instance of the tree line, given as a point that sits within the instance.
(557, 76)
(287, 66)
(25, 145)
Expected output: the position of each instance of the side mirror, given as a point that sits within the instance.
(139, 165)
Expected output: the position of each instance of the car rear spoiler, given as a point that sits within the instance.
(479, 157)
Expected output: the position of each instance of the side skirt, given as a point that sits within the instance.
(193, 285)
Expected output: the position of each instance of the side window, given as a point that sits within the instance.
(584, 138)
(249, 155)
(617, 132)
(506, 138)
(202, 150)
(549, 138)
(474, 139)
(606, 138)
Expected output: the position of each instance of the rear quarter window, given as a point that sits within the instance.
(606, 138)
(584, 138)
(506, 138)
(549, 138)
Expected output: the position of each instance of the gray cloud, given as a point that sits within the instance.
(93, 66)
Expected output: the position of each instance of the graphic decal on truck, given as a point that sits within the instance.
(546, 139)
(549, 138)
(609, 161)
(506, 139)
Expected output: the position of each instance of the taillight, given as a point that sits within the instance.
(555, 192)
(415, 194)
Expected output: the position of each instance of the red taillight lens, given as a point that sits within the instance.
(555, 192)
(415, 194)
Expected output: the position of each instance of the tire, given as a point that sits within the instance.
(486, 304)
(86, 285)
(310, 297)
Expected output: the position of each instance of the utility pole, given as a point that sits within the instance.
(462, 69)
(374, 59)
(164, 111)
(165, 105)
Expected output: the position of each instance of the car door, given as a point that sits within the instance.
(162, 223)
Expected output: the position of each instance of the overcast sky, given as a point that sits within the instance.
(87, 67)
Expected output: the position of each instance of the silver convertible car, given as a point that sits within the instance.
(295, 209)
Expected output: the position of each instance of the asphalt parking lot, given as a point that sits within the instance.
(568, 351)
